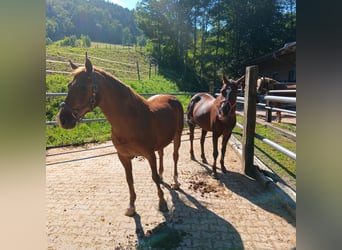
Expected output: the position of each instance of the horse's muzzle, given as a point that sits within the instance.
(65, 119)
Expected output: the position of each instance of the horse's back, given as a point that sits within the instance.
(199, 110)
(164, 104)
(283, 86)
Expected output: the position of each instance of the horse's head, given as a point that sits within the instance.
(81, 96)
(228, 95)
(264, 84)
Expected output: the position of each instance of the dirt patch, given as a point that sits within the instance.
(205, 184)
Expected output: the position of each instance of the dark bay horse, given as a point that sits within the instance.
(139, 127)
(265, 84)
(216, 115)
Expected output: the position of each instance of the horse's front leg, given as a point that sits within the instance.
(153, 164)
(278, 113)
(278, 116)
(127, 163)
(223, 151)
(215, 150)
(204, 133)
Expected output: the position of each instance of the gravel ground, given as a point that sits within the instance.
(87, 195)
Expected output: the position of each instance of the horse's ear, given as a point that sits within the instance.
(88, 65)
(72, 65)
(240, 80)
(224, 77)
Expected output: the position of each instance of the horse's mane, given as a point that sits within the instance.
(103, 72)
(138, 99)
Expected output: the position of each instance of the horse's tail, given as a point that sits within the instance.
(190, 110)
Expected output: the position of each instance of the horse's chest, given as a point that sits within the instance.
(125, 146)
(224, 127)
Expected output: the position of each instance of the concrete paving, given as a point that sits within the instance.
(87, 195)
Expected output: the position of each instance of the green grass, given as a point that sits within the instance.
(285, 126)
(277, 161)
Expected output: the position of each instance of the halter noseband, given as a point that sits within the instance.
(226, 100)
(75, 112)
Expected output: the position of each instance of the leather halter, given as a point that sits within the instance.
(91, 104)
(226, 100)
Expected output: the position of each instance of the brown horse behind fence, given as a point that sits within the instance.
(216, 115)
(139, 127)
(265, 84)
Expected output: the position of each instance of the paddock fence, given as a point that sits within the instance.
(240, 99)
(124, 69)
(249, 110)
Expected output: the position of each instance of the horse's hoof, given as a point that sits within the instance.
(175, 186)
(205, 161)
(192, 157)
(130, 211)
(224, 170)
(163, 206)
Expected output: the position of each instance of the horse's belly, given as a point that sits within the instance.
(128, 147)
(202, 117)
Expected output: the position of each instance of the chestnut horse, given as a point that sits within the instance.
(264, 84)
(139, 127)
(216, 115)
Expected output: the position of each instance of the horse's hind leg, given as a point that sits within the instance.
(176, 145)
(192, 129)
(215, 151)
(161, 164)
(153, 164)
(130, 211)
(204, 133)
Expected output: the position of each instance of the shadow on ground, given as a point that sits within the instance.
(250, 189)
(188, 224)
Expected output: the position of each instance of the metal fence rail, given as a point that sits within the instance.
(104, 119)
(278, 99)
(281, 99)
(239, 99)
(272, 144)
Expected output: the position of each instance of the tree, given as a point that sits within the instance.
(102, 21)
(86, 42)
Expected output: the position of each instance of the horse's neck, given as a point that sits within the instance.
(117, 99)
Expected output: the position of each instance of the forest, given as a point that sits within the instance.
(197, 39)
(101, 21)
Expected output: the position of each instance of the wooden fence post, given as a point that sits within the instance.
(138, 71)
(149, 72)
(249, 120)
(268, 111)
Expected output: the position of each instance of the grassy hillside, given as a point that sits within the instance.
(118, 60)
